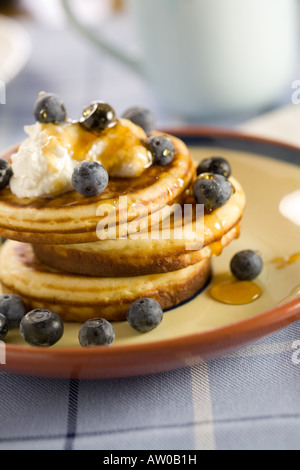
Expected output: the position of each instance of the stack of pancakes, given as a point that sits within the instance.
(58, 258)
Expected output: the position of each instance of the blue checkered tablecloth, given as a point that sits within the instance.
(248, 400)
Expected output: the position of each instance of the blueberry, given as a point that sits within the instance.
(246, 265)
(162, 149)
(97, 116)
(41, 327)
(13, 308)
(5, 173)
(144, 315)
(212, 190)
(3, 326)
(142, 117)
(49, 108)
(90, 178)
(96, 332)
(216, 165)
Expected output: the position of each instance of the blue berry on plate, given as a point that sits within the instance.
(213, 191)
(142, 117)
(49, 108)
(98, 116)
(216, 165)
(5, 173)
(3, 326)
(41, 327)
(13, 308)
(246, 265)
(162, 149)
(90, 178)
(144, 315)
(96, 332)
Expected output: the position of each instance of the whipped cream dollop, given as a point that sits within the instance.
(45, 161)
(38, 172)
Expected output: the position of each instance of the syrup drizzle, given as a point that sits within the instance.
(234, 292)
(283, 262)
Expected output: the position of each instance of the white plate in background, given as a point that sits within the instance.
(15, 48)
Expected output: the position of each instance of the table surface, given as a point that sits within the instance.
(248, 400)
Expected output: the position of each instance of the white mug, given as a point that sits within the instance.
(212, 57)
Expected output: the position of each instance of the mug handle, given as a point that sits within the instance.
(129, 60)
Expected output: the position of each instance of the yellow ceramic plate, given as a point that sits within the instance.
(204, 328)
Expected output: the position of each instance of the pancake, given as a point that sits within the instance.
(158, 254)
(71, 218)
(78, 298)
(110, 265)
